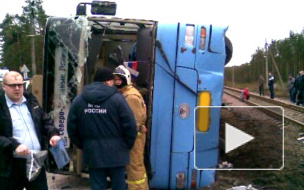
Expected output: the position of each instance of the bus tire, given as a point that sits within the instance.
(229, 50)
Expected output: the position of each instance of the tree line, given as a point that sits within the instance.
(286, 54)
(16, 33)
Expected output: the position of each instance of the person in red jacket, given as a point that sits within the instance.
(245, 94)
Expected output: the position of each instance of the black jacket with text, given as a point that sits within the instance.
(101, 123)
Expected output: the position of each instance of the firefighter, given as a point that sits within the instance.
(136, 171)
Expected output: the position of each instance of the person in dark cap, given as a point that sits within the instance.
(101, 123)
(299, 85)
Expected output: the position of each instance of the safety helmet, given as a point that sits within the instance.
(124, 72)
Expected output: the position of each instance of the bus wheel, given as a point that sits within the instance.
(229, 50)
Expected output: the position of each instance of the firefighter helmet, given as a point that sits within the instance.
(124, 72)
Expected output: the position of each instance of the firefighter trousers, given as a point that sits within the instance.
(136, 171)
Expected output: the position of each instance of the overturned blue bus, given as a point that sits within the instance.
(180, 66)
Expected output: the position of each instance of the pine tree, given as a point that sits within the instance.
(16, 33)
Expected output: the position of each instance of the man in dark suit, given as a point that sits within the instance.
(23, 127)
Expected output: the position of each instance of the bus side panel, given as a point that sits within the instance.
(182, 136)
(191, 169)
(163, 91)
(211, 68)
(207, 178)
(179, 163)
(211, 64)
(209, 139)
(206, 159)
(217, 43)
(186, 46)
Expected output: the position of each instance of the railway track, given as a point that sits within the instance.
(292, 114)
(271, 149)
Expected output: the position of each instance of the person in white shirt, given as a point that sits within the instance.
(22, 128)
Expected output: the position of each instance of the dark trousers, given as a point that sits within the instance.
(98, 178)
(300, 97)
(271, 91)
(261, 90)
(18, 180)
(292, 95)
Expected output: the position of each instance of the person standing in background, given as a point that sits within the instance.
(261, 85)
(271, 85)
(291, 88)
(299, 84)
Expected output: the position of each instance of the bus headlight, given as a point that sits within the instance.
(184, 111)
(180, 180)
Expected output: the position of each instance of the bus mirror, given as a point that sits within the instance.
(103, 8)
(81, 9)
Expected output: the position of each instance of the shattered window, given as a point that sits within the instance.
(66, 40)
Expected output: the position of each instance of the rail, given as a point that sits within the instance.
(279, 103)
(268, 111)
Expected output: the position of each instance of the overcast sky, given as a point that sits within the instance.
(250, 22)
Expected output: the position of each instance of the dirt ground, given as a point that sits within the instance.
(69, 182)
(264, 155)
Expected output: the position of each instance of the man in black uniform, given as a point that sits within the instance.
(101, 123)
(299, 85)
(271, 84)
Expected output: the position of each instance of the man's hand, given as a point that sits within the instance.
(54, 140)
(22, 150)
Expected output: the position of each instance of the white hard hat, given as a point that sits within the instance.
(123, 71)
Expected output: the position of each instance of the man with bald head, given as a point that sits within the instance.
(23, 127)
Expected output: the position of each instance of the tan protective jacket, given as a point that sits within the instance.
(138, 106)
(136, 171)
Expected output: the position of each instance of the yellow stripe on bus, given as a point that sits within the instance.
(203, 116)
